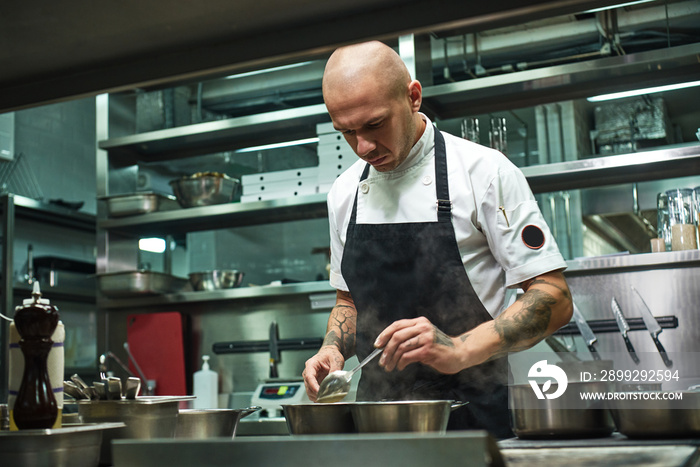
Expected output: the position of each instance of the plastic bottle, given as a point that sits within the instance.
(206, 387)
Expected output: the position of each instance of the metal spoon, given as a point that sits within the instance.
(336, 385)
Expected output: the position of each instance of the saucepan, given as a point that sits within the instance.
(564, 417)
(401, 416)
(369, 417)
(210, 423)
(657, 414)
(317, 419)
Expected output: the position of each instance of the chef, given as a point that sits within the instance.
(430, 235)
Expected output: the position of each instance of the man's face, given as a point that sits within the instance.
(378, 125)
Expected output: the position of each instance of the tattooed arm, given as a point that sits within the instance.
(544, 307)
(338, 345)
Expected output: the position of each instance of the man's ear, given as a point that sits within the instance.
(415, 94)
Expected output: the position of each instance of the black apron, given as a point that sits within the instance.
(407, 270)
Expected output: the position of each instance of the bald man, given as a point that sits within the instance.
(428, 234)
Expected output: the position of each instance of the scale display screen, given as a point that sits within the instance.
(279, 391)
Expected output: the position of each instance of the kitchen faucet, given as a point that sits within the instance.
(148, 385)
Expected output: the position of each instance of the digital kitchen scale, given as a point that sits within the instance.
(271, 394)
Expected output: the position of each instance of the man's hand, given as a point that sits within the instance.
(417, 340)
(327, 359)
(544, 307)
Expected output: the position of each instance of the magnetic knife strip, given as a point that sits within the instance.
(610, 325)
(312, 343)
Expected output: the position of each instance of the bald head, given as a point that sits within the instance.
(352, 66)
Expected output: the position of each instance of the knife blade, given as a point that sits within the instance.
(653, 327)
(624, 328)
(274, 350)
(586, 332)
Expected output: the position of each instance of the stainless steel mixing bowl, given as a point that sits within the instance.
(204, 189)
(216, 279)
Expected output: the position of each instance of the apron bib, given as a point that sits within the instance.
(407, 270)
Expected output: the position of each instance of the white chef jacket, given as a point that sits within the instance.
(481, 180)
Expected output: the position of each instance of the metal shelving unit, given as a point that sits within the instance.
(13, 208)
(527, 87)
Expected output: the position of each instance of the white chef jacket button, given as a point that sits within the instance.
(364, 188)
(427, 180)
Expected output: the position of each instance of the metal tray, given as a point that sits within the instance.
(137, 283)
(70, 446)
(139, 203)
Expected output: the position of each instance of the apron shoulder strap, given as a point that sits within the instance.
(444, 204)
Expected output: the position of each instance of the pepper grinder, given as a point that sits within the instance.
(36, 320)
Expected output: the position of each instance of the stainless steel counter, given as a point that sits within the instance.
(616, 450)
(473, 448)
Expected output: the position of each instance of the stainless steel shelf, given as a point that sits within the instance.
(678, 161)
(562, 82)
(624, 168)
(209, 137)
(613, 263)
(582, 266)
(242, 293)
(28, 208)
(219, 216)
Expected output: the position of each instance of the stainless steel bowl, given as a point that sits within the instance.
(209, 423)
(216, 280)
(401, 416)
(316, 419)
(204, 189)
(555, 418)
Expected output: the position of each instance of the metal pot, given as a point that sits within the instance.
(638, 418)
(144, 417)
(210, 423)
(555, 418)
(402, 416)
(314, 419)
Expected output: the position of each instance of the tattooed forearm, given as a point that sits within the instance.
(441, 338)
(531, 322)
(342, 329)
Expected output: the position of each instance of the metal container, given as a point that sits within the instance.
(137, 283)
(204, 189)
(216, 279)
(316, 419)
(556, 419)
(638, 418)
(132, 204)
(69, 446)
(401, 416)
(145, 417)
(210, 423)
